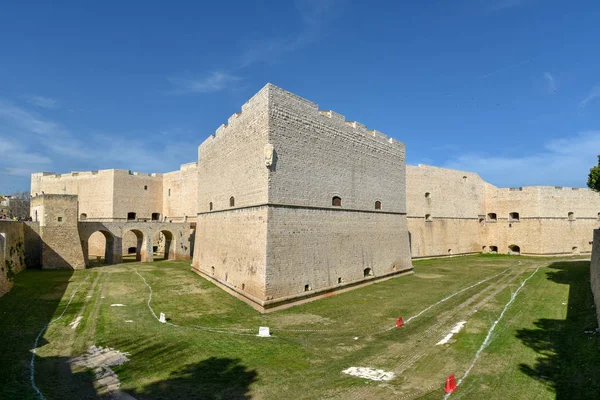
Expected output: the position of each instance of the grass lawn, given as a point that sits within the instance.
(538, 350)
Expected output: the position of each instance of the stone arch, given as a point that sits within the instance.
(163, 245)
(514, 249)
(94, 246)
(140, 251)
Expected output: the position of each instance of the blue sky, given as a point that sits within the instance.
(509, 89)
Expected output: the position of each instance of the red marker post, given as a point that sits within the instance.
(450, 384)
(399, 322)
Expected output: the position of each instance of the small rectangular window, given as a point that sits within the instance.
(169, 192)
(59, 219)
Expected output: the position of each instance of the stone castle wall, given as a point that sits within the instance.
(12, 253)
(595, 272)
(180, 193)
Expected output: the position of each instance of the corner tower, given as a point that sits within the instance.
(296, 202)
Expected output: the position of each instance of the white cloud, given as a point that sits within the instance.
(28, 121)
(499, 5)
(561, 162)
(16, 159)
(214, 82)
(594, 94)
(550, 82)
(44, 102)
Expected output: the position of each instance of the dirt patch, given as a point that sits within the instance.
(429, 276)
(284, 321)
(370, 373)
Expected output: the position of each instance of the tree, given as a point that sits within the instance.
(594, 177)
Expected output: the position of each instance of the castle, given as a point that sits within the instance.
(288, 202)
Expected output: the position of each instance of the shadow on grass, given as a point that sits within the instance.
(569, 361)
(210, 379)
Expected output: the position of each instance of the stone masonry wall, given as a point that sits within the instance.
(595, 272)
(60, 242)
(180, 193)
(12, 253)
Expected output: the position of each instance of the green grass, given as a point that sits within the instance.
(539, 350)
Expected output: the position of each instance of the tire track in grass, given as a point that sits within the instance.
(37, 339)
(488, 337)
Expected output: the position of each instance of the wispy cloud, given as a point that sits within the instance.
(561, 162)
(594, 94)
(508, 67)
(213, 82)
(27, 120)
(43, 102)
(550, 82)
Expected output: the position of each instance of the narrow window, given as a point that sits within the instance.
(130, 216)
(231, 201)
(513, 216)
(492, 217)
(212, 270)
(464, 178)
(210, 206)
(83, 216)
(307, 288)
(427, 195)
(378, 205)
(575, 250)
(449, 251)
(571, 216)
(428, 218)
(59, 219)
(155, 216)
(145, 187)
(243, 286)
(336, 201)
(340, 280)
(169, 192)
(367, 272)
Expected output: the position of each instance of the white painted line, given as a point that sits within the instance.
(370, 373)
(488, 337)
(117, 305)
(76, 322)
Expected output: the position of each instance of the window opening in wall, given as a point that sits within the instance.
(131, 250)
(427, 195)
(145, 187)
(571, 216)
(155, 249)
(513, 216)
(464, 178)
(494, 249)
(212, 270)
(378, 205)
(340, 280)
(169, 192)
(510, 225)
(59, 219)
(231, 201)
(243, 286)
(449, 251)
(484, 249)
(481, 220)
(210, 206)
(367, 272)
(336, 201)
(428, 218)
(575, 250)
(155, 216)
(514, 249)
(492, 217)
(83, 216)
(130, 216)
(307, 288)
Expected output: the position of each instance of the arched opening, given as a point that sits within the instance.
(82, 216)
(513, 216)
(367, 272)
(492, 217)
(133, 240)
(340, 280)
(427, 195)
(163, 245)
(130, 216)
(336, 201)
(428, 218)
(210, 206)
(155, 216)
(571, 216)
(99, 249)
(493, 249)
(378, 205)
(449, 251)
(514, 249)
(231, 201)
(307, 288)
(481, 220)
(484, 249)
(575, 250)
(464, 178)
